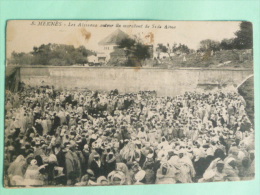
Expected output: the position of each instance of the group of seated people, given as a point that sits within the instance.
(88, 138)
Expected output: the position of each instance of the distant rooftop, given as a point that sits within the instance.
(114, 38)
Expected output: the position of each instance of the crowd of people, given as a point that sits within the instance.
(87, 138)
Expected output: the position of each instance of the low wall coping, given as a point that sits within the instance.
(135, 68)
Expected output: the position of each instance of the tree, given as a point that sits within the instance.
(20, 58)
(244, 36)
(209, 45)
(181, 48)
(135, 51)
(162, 48)
(227, 44)
(42, 54)
(127, 43)
(52, 54)
(141, 51)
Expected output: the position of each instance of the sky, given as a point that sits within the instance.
(23, 35)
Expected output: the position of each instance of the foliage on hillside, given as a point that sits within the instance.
(219, 59)
(51, 54)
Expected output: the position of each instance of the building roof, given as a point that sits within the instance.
(114, 38)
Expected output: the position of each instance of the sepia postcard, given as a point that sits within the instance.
(107, 102)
